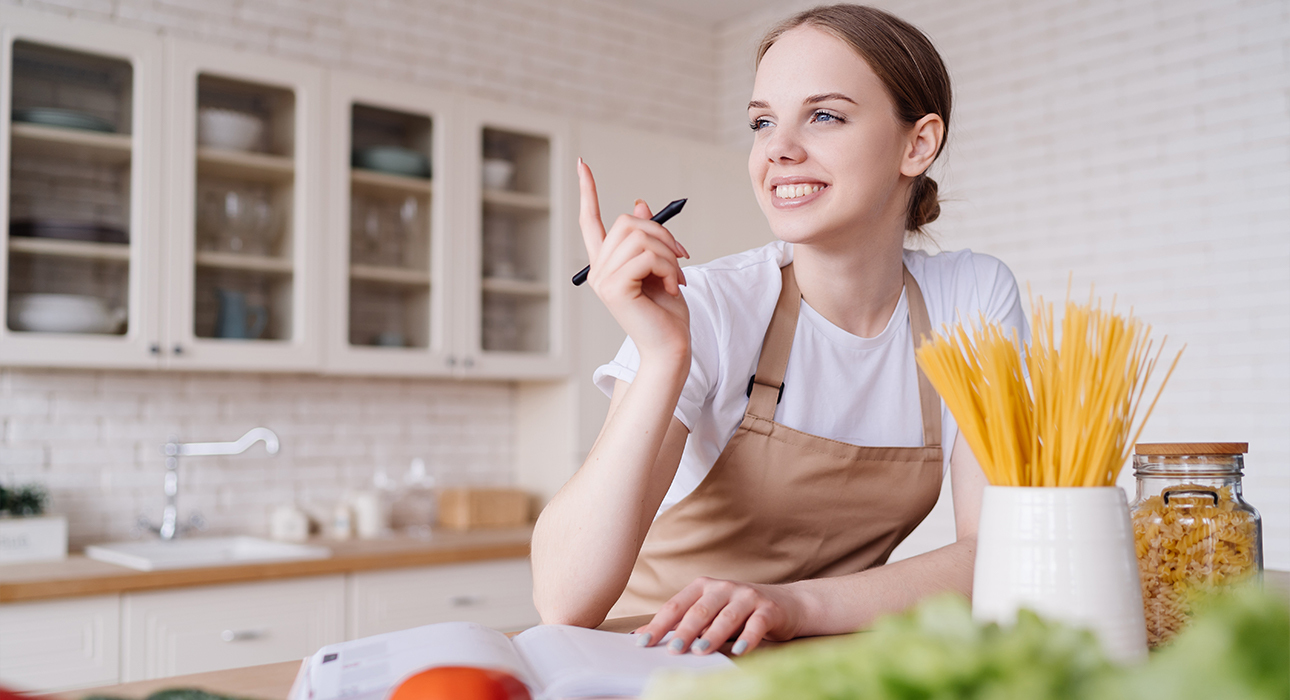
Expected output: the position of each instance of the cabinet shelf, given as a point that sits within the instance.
(70, 249)
(241, 165)
(514, 287)
(516, 201)
(401, 276)
(403, 184)
(40, 140)
(249, 263)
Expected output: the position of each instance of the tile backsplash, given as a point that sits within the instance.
(94, 440)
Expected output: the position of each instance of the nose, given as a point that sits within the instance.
(785, 146)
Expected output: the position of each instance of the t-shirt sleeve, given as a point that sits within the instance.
(1000, 298)
(704, 355)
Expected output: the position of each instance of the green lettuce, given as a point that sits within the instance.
(1237, 647)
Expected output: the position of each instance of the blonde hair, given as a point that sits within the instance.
(909, 67)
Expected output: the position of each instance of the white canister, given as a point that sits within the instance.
(289, 524)
(369, 514)
(342, 522)
(1065, 553)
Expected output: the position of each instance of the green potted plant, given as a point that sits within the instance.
(26, 532)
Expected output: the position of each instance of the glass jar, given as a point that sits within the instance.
(1193, 532)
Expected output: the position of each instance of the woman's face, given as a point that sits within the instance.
(827, 147)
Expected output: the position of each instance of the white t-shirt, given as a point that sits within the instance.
(861, 391)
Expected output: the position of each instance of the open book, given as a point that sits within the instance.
(554, 661)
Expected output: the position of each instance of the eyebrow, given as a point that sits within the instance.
(813, 99)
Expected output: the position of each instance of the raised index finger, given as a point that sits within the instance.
(593, 230)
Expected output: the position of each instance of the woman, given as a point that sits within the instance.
(770, 439)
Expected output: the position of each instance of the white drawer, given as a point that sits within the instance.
(192, 630)
(498, 594)
(60, 645)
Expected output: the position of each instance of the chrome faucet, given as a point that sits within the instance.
(170, 527)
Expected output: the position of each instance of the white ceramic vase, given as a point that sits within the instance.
(1065, 553)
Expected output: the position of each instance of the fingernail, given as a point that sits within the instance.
(579, 160)
(638, 202)
(700, 645)
(683, 250)
(644, 640)
(677, 645)
(740, 647)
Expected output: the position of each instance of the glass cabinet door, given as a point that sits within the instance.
(242, 247)
(388, 313)
(517, 330)
(74, 254)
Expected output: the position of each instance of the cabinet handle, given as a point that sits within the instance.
(179, 349)
(468, 362)
(452, 360)
(465, 601)
(241, 635)
(155, 348)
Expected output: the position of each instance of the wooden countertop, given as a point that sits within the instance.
(80, 576)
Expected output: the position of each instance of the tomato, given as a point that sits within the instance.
(460, 683)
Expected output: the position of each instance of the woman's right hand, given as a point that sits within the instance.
(635, 270)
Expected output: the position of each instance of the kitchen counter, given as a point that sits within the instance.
(81, 576)
(273, 681)
(267, 682)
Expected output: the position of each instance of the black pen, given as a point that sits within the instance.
(672, 209)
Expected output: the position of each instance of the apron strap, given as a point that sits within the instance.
(767, 385)
(920, 326)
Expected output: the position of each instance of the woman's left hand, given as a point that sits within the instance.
(709, 611)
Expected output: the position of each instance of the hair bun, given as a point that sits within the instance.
(924, 206)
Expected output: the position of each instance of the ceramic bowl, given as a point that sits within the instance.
(497, 173)
(63, 313)
(393, 160)
(225, 128)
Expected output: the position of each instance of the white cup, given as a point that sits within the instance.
(1067, 554)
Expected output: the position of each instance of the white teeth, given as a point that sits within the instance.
(795, 191)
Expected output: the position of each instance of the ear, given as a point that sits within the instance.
(925, 139)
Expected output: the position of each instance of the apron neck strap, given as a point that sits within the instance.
(920, 326)
(767, 385)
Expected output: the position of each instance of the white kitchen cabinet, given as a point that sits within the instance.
(392, 255)
(60, 645)
(243, 220)
(260, 246)
(80, 193)
(497, 594)
(513, 266)
(168, 633)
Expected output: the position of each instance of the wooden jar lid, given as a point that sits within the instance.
(1175, 449)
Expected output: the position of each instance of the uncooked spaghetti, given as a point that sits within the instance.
(1049, 413)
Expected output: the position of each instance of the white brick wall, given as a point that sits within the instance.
(1145, 147)
(94, 438)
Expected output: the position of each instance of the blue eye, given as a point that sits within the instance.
(758, 124)
(822, 116)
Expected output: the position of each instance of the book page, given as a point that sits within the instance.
(366, 669)
(571, 662)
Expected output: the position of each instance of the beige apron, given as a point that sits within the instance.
(781, 505)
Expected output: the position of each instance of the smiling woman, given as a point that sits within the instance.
(770, 439)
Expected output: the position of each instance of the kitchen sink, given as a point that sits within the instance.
(157, 555)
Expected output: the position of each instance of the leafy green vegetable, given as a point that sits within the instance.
(1238, 647)
(933, 652)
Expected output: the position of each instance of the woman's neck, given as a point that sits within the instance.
(856, 286)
